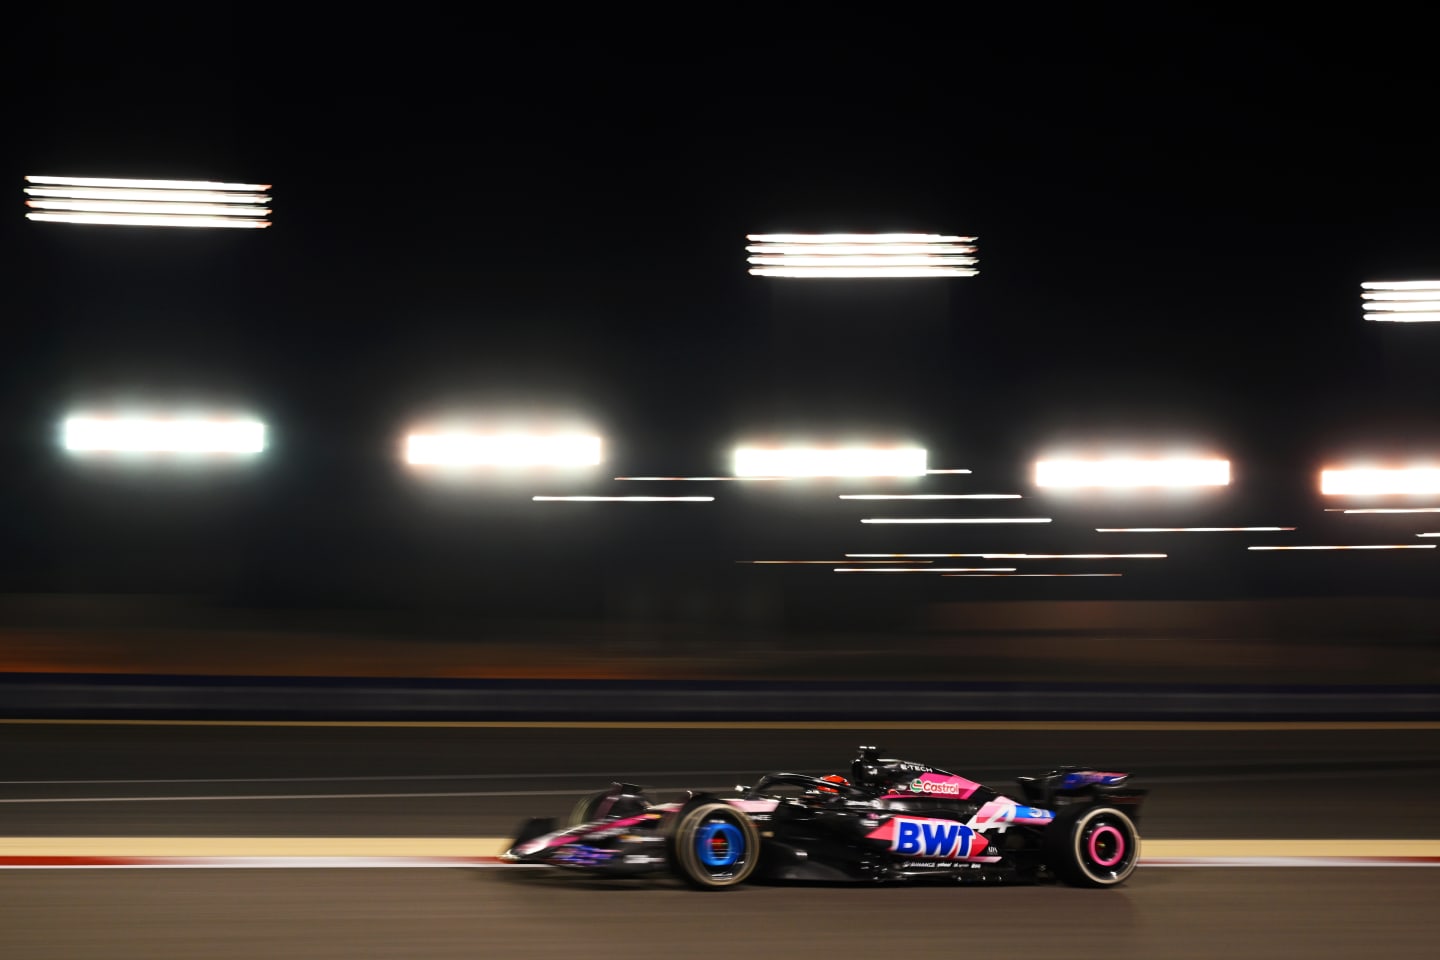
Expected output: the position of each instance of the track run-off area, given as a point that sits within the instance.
(162, 839)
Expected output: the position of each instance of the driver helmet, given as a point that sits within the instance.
(833, 778)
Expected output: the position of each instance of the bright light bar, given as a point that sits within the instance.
(145, 206)
(833, 238)
(147, 203)
(139, 220)
(828, 563)
(857, 249)
(1427, 534)
(148, 184)
(1380, 481)
(502, 450)
(860, 255)
(135, 435)
(956, 520)
(949, 471)
(1365, 546)
(1382, 509)
(930, 496)
(1403, 301)
(841, 462)
(1025, 556)
(1034, 574)
(629, 499)
(924, 570)
(1132, 473)
(702, 478)
(843, 273)
(1192, 529)
(172, 196)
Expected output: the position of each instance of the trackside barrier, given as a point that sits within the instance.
(79, 696)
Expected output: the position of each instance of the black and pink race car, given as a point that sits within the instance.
(889, 820)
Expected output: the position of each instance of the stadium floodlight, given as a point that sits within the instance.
(860, 255)
(88, 435)
(834, 462)
(1129, 473)
(1363, 481)
(1401, 301)
(460, 449)
(147, 203)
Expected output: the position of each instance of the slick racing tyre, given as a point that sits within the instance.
(1094, 847)
(714, 845)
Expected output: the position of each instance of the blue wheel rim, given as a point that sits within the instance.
(719, 844)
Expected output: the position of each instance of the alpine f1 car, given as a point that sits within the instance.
(890, 820)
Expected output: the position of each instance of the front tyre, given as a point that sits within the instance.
(714, 846)
(1099, 847)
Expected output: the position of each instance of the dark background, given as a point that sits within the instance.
(1175, 210)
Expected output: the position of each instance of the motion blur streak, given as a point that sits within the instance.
(829, 563)
(134, 435)
(860, 255)
(584, 499)
(1025, 556)
(1132, 473)
(1382, 509)
(1034, 574)
(930, 496)
(838, 462)
(154, 203)
(926, 570)
(949, 471)
(956, 520)
(1192, 529)
(502, 450)
(1375, 480)
(1404, 301)
(1365, 546)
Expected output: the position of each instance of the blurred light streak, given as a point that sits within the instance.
(163, 203)
(1127, 472)
(138, 435)
(504, 450)
(148, 184)
(1382, 509)
(923, 570)
(1372, 480)
(840, 238)
(860, 255)
(838, 462)
(1404, 301)
(587, 499)
(138, 220)
(956, 520)
(1025, 556)
(828, 563)
(1427, 534)
(702, 478)
(930, 496)
(1192, 529)
(185, 196)
(949, 471)
(1034, 574)
(1366, 546)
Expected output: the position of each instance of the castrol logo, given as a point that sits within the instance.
(944, 787)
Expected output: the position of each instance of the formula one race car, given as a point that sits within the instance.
(890, 820)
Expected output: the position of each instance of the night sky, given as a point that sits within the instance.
(1175, 212)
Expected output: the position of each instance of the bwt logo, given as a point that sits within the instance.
(942, 839)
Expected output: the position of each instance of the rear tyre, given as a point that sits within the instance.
(1097, 847)
(714, 846)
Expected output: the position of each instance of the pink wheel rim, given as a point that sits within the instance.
(1117, 846)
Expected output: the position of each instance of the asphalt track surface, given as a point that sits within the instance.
(78, 783)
